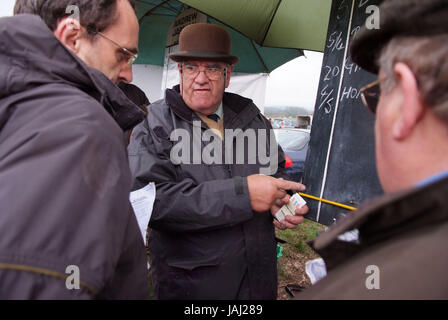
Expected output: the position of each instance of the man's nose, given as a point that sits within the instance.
(201, 77)
(125, 74)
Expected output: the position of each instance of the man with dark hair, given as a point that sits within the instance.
(401, 250)
(66, 223)
(94, 15)
(92, 37)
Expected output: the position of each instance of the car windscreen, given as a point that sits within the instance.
(294, 140)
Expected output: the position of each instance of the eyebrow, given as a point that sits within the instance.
(214, 65)
(210, 65)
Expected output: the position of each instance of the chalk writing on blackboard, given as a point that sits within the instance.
(363, 3)
(350, 93)
(340, 164)
(342, 9)
(326, 99)
(335, 41)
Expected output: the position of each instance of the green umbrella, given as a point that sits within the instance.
(156, 16)
(298, 24)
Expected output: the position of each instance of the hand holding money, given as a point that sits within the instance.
(264, 191)
(289, 211)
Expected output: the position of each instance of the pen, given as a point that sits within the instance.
(327, 201)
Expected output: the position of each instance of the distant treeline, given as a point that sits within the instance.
(284, 111)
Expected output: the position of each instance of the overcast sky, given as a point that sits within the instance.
(6, 7)
(293, 84)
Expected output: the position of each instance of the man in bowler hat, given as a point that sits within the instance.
(212, 227)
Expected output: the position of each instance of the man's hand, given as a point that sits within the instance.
(265, 190)
(290, 222)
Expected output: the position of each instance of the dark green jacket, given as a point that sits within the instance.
(402, 236)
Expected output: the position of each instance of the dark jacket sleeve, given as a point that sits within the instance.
(68, 174)
(21, 285)
(181, 204)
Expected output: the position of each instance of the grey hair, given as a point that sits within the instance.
(427, 57)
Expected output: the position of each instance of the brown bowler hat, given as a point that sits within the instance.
(204, 41)
(399, 18)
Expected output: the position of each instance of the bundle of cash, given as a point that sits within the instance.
(288, 209)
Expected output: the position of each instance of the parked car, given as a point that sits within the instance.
(289, 124)
(278, 124)
(294, 143)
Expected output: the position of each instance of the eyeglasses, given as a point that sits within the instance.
(131, 56)
(213, 72)
(370, 95)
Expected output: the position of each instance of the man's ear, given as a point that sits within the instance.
(412, 109)
(69, 33)
(181, 78)
(229, 75)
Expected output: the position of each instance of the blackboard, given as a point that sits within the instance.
(340, 164)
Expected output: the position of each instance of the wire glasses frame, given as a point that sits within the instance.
(370, 95)
(132, 56)
(212, 72)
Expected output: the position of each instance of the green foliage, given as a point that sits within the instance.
(297, 238)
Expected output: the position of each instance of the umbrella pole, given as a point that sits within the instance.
(259, 57)
(152, 10)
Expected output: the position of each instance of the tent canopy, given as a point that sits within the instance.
(156, 16)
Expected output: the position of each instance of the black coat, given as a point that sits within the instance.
(64, 175)
(204, 235)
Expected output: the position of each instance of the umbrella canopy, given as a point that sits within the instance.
(275, 23)
(156, 16)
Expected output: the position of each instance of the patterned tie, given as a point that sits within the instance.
(214, 117)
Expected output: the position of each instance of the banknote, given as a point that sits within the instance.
(296, 201)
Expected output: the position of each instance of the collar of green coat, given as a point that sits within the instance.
(384, 218)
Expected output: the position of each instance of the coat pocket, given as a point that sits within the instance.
(191, 264)
(192, 279)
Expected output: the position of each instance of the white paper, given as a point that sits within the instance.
(316, 270)
(143, 201)
(350, 236)
(289, 209)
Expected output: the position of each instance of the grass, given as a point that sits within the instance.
(296, 238)
(296, 252)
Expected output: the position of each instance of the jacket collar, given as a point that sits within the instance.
(383, 218)
(238, 111)
(124, 111)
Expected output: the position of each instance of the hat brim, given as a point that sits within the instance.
(411, 18)
(203, 55)
(365, 49)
